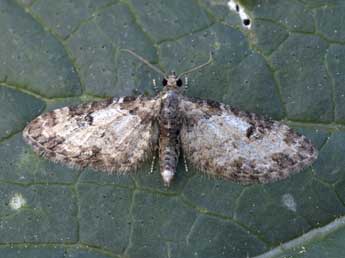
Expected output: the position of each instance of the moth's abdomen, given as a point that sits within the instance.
(169, 138)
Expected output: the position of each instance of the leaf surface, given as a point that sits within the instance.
(288, 65)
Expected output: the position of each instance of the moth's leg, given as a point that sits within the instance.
(153, 163)
(155, 88)
(185, 83)
(185, 163)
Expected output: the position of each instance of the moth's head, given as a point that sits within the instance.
(172, 81)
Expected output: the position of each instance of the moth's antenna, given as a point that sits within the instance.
(144, 61)
(197, 67)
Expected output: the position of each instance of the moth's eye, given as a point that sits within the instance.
(179, 82)
(164, 82)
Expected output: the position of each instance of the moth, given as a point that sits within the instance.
(118, 134)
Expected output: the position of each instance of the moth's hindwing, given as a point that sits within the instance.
(240, 146)
(110, 135)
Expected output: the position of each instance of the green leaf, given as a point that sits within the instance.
(288, 65)
(327, 241)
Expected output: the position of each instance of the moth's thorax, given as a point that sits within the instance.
(169, 142)
(172, 88)
(169, 95)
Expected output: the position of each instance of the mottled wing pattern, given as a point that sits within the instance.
(109, 135)
(240, 146)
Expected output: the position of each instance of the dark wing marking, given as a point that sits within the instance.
(240, 146)
(109, 135)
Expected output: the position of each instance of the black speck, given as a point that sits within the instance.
(89, 119)
(246, 22)
(133, 111)
(250, 131)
